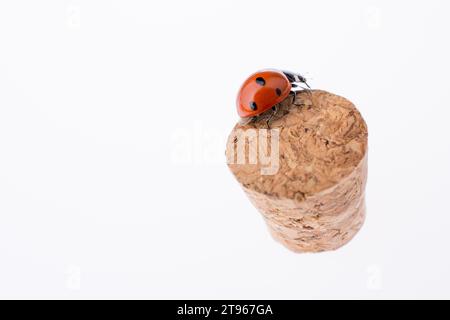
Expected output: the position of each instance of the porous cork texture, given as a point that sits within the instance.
(315, 200)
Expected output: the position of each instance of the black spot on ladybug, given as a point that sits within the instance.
(278, 91)
(253, 105)
(260, 81)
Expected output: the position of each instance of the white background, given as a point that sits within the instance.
(113, 119)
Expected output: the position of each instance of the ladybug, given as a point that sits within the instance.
(265, 89)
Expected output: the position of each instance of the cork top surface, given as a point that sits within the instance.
(322, 138)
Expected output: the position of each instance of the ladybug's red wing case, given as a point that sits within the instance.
(261, 91)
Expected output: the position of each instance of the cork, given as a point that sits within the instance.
(305, 170)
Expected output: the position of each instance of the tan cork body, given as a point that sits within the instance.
(314, 200)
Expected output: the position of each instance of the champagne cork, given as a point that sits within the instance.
(305, 170)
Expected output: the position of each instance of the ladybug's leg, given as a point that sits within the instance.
(294, 91)
(297, 87)
(294, 96)
(274, 112)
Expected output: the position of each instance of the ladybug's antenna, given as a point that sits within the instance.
(306, 84)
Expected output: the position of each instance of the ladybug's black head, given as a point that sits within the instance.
(294, 77)
(289, 75)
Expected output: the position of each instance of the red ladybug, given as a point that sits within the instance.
(265, 89)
